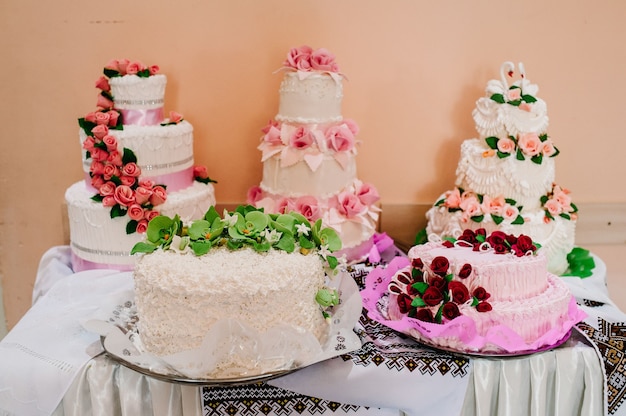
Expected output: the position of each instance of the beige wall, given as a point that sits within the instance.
(415, 68)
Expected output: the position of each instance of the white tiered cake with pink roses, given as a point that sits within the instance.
(137, 163)
(506, 177)
(309, 154)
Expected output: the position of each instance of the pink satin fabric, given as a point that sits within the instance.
(150, 117)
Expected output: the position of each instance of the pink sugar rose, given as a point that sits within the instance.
(149, 214)
(115, 158)
(124, 195)
(553, 206)
(525, 107)
(96, 168)
(308, 207)
(200, 172)
(91, 117)
(514, 94)
(113, 117)
(354, 128)
(99, 155)
(142, 195)
(470, 206)
(285, 205)
(110, 142)
(103, 83)
(340, 138)
(110, 171)
(104, 102)
(452, 198)
(121, 66)
(142, 226)
(548, 148)
(255, 193)
(323, 60)
(299, 58)
(562, 197)
(530, 143)
(112, 64)
(88, 143)
(159, 195)
(128, 180)
(100, 131)
(301, 138)
(506, 145)
(175, 117)
(131, 169)
(349, 205)
(367, 194)
(102, 118)
(509, 212)
(270, 124)
(272, 134)
(154, 69)
(108, 201)
(493, 205)
(107, 189)
(134, 67)
(146, 183)
(135, 212)
(97, 181)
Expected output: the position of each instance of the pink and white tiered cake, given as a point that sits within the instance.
(137, 164)
(480, 293)
(506, 177)
(309, 154)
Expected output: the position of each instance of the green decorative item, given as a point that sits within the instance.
(581, 263)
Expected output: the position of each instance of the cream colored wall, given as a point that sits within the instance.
(415, 68)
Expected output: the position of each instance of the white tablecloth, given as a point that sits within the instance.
(50, 365)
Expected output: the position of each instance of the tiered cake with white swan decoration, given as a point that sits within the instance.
(137, 163)
(506, 177)
(309, 154)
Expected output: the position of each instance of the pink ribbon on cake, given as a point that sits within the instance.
(149, 117)
(80, 265)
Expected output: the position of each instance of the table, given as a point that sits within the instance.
(59, 369)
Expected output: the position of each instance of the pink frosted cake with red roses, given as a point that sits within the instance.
(137, 164)
(482, 293)
(505, 177)
(309, 151)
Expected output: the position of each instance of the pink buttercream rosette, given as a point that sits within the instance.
(463, 328)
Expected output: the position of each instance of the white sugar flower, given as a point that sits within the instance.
(231, 220)
(324, 251)
(272, 236)
(302, 229)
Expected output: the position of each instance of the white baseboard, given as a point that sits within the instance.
(3, 320)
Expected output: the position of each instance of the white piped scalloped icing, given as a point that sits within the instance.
(524, 296)
(98, 238)
(181, 296)
(131, 92)
(309, 99)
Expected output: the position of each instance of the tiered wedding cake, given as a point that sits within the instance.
(505, 177)
(309, 153)
(137, 165)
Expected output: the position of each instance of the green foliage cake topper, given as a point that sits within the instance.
(246, 226)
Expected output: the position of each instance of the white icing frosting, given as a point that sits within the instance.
(313, 99)
(522, 180)
(180, 297)
(131, 92)
(299, 180)
(98, 238)
(160, 150)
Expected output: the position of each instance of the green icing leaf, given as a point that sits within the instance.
(131, 227)
(421, 237)
(497, 218)
(492, 142)
(581, 263)
(538, 158)
(518, 220)
(520, 155)
(128, 156)
(417, 302)
(200, 247)
(528, 98)
(499, 98)
(142, 247)
(117, 211)
(420, 287)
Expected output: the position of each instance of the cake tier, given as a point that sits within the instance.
(97, 238)
(131, 92)
(529, 318)
(161, 151)
(296, 180)
(521, 180)
(180, 297)
(505, 276)
(310, 97)
(556, 236)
